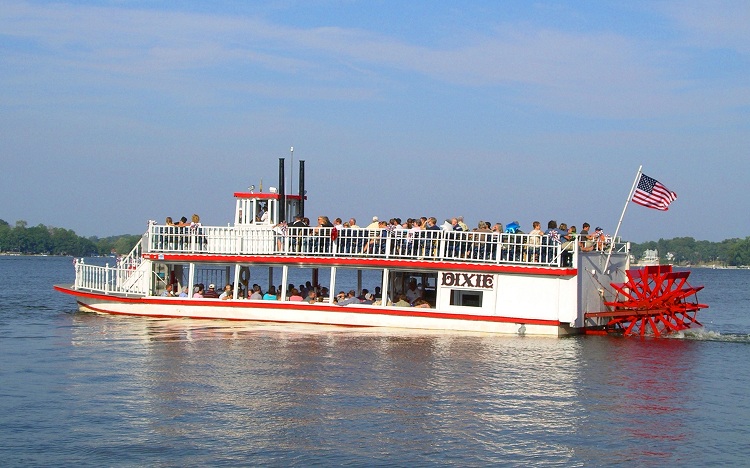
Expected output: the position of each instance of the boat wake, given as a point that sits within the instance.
(701, 334)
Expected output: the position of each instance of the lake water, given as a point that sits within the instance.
(87, 390)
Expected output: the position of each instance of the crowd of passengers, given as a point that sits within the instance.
(414, 231)
(414, 238)
(412, 297)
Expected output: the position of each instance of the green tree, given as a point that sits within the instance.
(38, 240)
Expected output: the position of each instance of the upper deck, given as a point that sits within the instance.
(308, 245)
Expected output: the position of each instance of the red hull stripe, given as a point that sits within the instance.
(102, 311)
(305, 262)
(405, 312)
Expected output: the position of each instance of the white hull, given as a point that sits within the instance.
(328, 314)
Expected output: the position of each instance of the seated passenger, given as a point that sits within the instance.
(351, 298)
(228, 293)
(211, 293)
(421, 303)
(168, 291)
(412, 292)
(295, 296)
(402, 302)
(270, 295)
(585, 240)
(256, 295)
(312, 297)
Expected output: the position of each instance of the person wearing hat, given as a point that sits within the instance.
(211, 292)
(373, 226)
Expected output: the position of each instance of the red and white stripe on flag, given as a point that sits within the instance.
(652, 194)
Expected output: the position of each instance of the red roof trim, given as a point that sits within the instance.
(265, 196)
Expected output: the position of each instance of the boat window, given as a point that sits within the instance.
(466, 298)
(425, 281)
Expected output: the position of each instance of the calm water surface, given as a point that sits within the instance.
(81, 389)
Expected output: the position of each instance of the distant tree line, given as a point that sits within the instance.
(49, 240)
(688, 251)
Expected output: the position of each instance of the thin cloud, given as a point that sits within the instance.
(591, 74)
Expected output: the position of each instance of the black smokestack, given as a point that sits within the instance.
(302, 188)
(282, 193)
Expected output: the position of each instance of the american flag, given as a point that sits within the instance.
(652, 194)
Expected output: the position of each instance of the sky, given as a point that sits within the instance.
(116, 112)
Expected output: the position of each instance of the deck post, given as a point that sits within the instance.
(191, 279)
(284, 279)
(332, 285)
(384, 288)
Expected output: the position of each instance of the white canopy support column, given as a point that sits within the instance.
(191, 279)
(332, 286)
(236, 283)
(284, 280)
(384, 288)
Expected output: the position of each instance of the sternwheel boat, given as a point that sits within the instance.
(494, 282)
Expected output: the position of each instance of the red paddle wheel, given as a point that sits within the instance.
(654, 301)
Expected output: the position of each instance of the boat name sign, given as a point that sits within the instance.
(470, 280)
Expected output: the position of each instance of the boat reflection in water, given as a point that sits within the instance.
(333, 394)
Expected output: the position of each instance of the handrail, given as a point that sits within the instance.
(109, 279)
(426, 245)
(133, 259)
(429, 245)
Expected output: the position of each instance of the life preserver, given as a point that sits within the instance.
(245, 276)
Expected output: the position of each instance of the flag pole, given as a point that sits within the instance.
(614, 238)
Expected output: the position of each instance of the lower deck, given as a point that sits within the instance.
(353, 315)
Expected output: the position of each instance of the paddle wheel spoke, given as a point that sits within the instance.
(654, 301)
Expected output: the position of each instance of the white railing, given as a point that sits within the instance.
(437, 245)
(133, 259)
(107, 279)
(131, 276)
